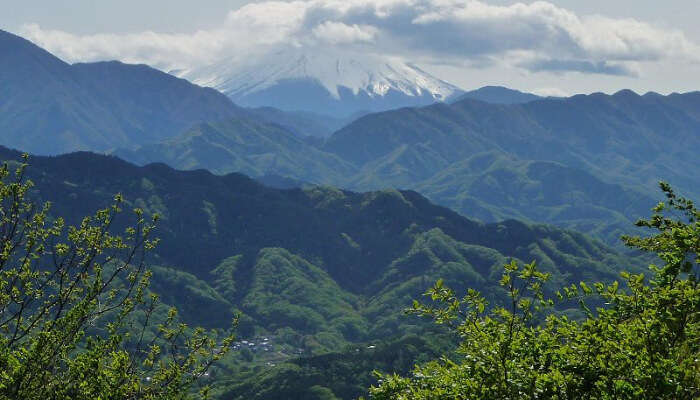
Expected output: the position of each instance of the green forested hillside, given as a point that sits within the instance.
(243, 145)
(493, 186)
(313, 270)
(610, 136)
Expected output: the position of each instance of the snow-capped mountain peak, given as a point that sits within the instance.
(381, 82)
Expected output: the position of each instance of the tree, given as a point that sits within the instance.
(77, 320)
(642, 343)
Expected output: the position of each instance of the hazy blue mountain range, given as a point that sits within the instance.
(493, 186)
(49, 107)
(316, 269)
(583, 162)
(624, 137)
(316, 124)
(247, 146)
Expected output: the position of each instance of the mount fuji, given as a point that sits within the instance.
(328, 82)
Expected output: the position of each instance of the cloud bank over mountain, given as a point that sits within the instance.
(534, 37)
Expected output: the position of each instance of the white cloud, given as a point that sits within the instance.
(550, 92)
(339, 33)
(534, 37)
(157, 49)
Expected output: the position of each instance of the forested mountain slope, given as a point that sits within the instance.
(555, 159)
(220, 216)
(625, 137)
(366, 254)
(584, 162)
(247, 146)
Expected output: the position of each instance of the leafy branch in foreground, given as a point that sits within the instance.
(644, 344)
(76, 318)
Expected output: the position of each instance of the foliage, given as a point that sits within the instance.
(76, 318)
(644, 344)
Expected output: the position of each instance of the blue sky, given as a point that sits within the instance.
(555, 47)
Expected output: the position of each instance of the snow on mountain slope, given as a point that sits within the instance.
(326, 82)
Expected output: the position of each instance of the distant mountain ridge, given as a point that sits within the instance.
(559, 153)
(498, 95)
(246, 146)
(49, 107)
(590, 132)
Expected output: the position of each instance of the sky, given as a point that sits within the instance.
(557, 47)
